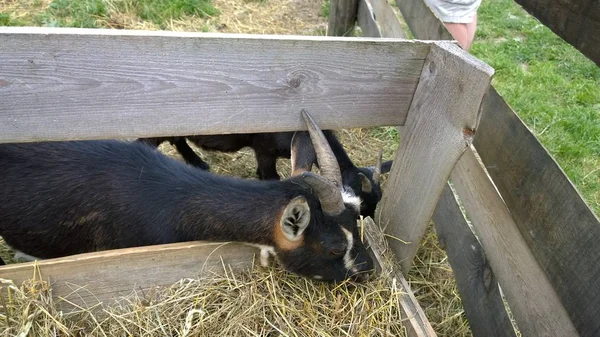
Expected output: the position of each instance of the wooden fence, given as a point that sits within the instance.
(531, 231)
(67, 84)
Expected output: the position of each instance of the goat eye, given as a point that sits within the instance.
(336, 252)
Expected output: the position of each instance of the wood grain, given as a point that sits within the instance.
(561, 230)
(66, 84)
(92, 278)
(421, 21)
(342, 17)
(439, 127)
(416, 322)
(476, 282)
(377, 19)
(537, 308)
(576, 21)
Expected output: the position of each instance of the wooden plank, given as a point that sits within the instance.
(66, 84)
(537, 308)
(476, 282)
(377, 19)
(415, 321)
(576, 21)
(561, 230)
(366, 20)
(342, 16)
(421, 21)
(93, 278)
(439, 127)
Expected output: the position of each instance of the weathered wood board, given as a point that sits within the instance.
(439, 128)
(66, 84)
(476, 282)
(377, 19)
(89, 279)
(530, 294)
(422, 23)
(562, 231)
(342, 17)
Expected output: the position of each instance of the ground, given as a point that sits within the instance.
(554, 89)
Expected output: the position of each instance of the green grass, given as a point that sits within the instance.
(161, 11)
(67, 13)
(325, 9)
(97, 13)
(551, 86)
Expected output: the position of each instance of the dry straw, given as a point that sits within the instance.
(259, 302)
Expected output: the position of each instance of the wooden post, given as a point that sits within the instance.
(440, 125)
(342, 16)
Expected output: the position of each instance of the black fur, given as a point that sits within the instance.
(64, 198)
(270, 146)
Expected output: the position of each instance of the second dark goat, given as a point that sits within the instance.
(364, 181)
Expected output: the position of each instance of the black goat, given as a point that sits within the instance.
(364, 181)
(64, 198)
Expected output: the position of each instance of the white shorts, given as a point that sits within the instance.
(454, 11)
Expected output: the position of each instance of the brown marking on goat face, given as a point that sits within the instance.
(283, 243)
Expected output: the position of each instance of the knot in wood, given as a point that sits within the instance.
(294, 82)
(488, 276)
(432, 67)
(301, 81)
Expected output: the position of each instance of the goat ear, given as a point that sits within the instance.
(386, 167)
(295, 218)
(302, 153)
(365, 183)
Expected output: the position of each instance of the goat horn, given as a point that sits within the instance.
(377, 170)
(328, 163)
(329, 195)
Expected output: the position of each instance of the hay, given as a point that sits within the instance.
(260, 302)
